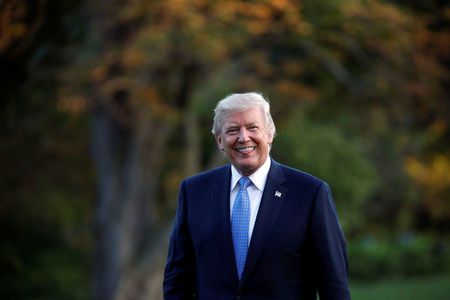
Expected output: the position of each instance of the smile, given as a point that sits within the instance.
(245, 150)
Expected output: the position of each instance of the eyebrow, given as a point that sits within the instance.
(237, 125)
(234, 125)
(231, 126)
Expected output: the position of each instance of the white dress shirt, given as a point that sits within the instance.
(255, 191)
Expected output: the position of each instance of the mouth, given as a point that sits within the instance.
(245, 150)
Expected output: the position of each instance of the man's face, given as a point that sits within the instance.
(245, 140)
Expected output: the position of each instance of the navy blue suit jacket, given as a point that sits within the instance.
(297, 247)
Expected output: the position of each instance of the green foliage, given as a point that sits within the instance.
(47, 189)
(56, 273)
(409, 256)
(436, 288)
(373, 72)
(326, 152)
(45, 215)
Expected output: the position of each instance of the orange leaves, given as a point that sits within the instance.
(295, 91)
(434, 174)
(434, 177)
(99, 73)
(383, 27)
(18, 24)
(133, 58)
(158, 107)
(262, 17)
(13, 23)
(72, 104)
(254, 17)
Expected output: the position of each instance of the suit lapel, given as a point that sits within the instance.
(269, 208)
(220, 193)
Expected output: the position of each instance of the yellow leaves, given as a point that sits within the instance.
(203, 30)
(295, 91)
(373, 9)
(11, 33)
(439, 127)
(19, 24)
(181, 14)
(282, 4)
(12, 23)
(257, 11)
(434, 177)
(257, 17)
(381, 27)
(99, 73)
(72, 104)
(150, 99)
(435, 174)
(272, 17)
(133, 58)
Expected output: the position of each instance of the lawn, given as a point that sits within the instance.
(435, 288)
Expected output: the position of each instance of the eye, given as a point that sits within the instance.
(253, 128)
(231, 131)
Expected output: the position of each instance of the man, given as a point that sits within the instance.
(254, 229)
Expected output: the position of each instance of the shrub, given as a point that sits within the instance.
(371, 258)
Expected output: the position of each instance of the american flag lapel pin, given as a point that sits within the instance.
(278, 194)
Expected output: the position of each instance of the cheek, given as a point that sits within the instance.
(229, 142)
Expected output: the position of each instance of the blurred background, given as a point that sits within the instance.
(106, 105)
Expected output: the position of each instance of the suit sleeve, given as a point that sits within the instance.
(180, 275)
(328, 248)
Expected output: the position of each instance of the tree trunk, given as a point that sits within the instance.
(129, 164)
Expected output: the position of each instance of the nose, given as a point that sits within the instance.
(243, 136)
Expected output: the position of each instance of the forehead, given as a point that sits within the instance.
(252, 115)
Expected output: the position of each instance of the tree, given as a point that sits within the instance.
(147, 63)
(144, 63)
(367, 78)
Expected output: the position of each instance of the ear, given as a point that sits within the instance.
(270, 138)
(219, 142)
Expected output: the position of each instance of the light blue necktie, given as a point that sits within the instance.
(240, 220)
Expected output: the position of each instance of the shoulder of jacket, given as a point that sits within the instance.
(298, 175)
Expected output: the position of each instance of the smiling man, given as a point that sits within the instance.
(254, 229)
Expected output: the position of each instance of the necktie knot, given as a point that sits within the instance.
(244, 182)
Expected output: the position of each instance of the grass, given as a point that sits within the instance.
(436, 288)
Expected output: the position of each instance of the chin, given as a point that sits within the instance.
(246, 164)
(247, 168)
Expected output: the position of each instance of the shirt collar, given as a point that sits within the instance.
(258, 178)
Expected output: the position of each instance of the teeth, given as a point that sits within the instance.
(246, 149)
